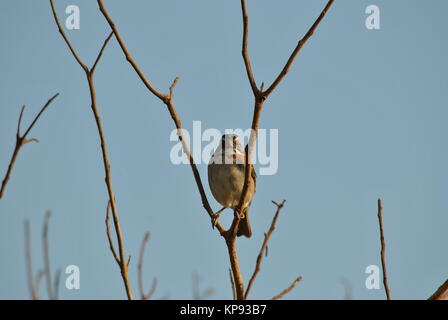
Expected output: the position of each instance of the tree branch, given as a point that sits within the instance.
(46, 255)
(33, 283)
(264, 246)
(287, 290)
(109, 237)
(100, 54)
(441, 293)
(21, 141)
(259, 96)
(29, 262)
(90, 79)
(151, 291)
(297, 49)
(245, 52)
(383, 249)
(167, 99)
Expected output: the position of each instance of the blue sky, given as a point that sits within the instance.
(360, 116)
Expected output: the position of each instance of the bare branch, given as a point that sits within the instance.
(245, 52)
(109, 237)
(19, 123)
(57, 279)
(260, 97)
(29, 261)
(92, 70)
(67, 41)
(383, 249)
(39, 277)
(441, 293)
(167, 99)
(281, 294)
(90, 78)
(129, 57)
(39, 114)
(264, 247)
(299, 46)
(21, 141)
(46, 256)
(140, 271)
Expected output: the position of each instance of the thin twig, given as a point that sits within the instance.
(109, 237)
(441, 293)
(67, 41)
(29, 261)
(46, 255)
(40, 275)
(383, 249)
(21, 141)
(281, 294)
(100, 54)
(144, 296)
(90, 78)
(297, 49)
(57, 279)
(245, 52)
(264, 246)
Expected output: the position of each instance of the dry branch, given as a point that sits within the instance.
(264, 247)
(109, 237)
(29, 262)
(46, 255)
(383, 249)
(287, 290)
(90, 79)
(144, 296)
(34, 282)
(260, 97)
(167, 99)
(21, 140)
(441, 293)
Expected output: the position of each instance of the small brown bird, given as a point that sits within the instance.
(226, 171)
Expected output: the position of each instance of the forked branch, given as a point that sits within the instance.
(263, 252)
(260, 95)
(21, 140)
(167, 99)
(123, 264)
(34, 282)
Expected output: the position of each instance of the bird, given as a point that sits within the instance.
(226, 173)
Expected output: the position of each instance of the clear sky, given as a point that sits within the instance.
(361, 115)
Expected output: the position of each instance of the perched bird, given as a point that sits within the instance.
(226, 171)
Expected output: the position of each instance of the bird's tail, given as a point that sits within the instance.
(244, 226)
